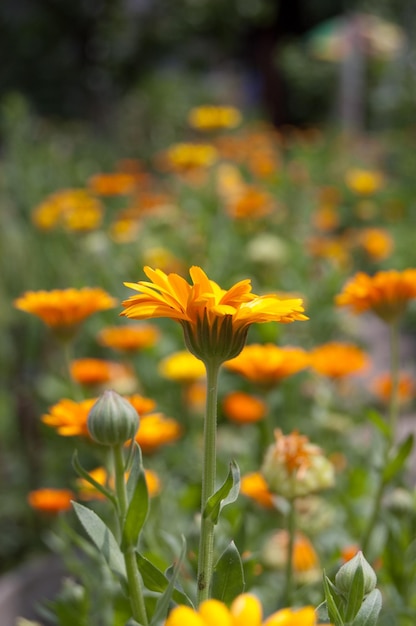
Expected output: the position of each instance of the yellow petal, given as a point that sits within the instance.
(246, 610)
(184, 616)
(215, 613)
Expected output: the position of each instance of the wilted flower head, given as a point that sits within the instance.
(215, 321)
(293, 466)
(386, 294)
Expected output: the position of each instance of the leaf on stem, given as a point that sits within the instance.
(162, 605)
(369, 611)
(355, 595)
(228, 576)
(155, 580)
(331, 604)
(226, 494)
(396, 463)
(138, 499)
(87, 476)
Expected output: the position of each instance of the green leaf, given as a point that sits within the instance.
(162, 605)
(396, 463)
(138, 502)
(228, 577)
(155, 580)
(332, 607)
(369, 611)
(379, 422)
(102, 537)
(355, 595)
(84, 474)
(226, 494)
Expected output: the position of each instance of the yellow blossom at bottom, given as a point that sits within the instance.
(245, 610)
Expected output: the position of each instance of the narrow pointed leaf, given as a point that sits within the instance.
(155, 580)
(86, 476)
(369, 611)
(138, 502)
(162, 605)
(228, 578)
(226, 494)
(379, 422)
(333, 611)
(102, 537)
(396, 463)
(355, 595)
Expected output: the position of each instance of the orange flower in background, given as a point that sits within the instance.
(156, 430)
(376, 242)
(209, 117)
(254, 486)
(129, 338)
(326, 218)
(65, 308)
(87, 491)
(334, 249)
(382, 387)
(50, 501)
(349, 551)
(75, 209)
(251, 203)
(305, 559)
(195, 396)
(69, 418)
(215, 321)
(268, 364)
(242, 408)
(113, 184)
(182, 366)
(98, 371)
(124, 229)
(364, 182)
(141, 403)
(386, 294)
(336, 359)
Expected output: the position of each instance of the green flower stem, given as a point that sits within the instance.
(393, 416)
(291, 528)
(135, 582)
(206, 541)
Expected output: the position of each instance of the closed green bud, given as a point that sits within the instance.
(112, 420)
(345, 576)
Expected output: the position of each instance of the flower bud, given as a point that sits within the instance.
(112, 420)
(345, 576)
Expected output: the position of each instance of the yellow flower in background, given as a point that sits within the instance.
(377, 243)
(255, 487)
(129, 338)
(364, 182)
(268, 364)
(336, 359)
(188, 156)
(293, 466)
(386, 294)
(74, 209)
(87, 491)
(156, 430)
(69, 418)
(243, 408)
(215, 321)
(65, 308)
(50, 501)
(245, 610)
(209, 118)
(182, 366)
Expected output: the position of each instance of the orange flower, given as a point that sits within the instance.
(364, 182)
(98, 371)
(336, 360)
(209, 118)
(75, 209)
(243, 408)
(251, 203)
(64, 309)
(182, 367)
(215, 321)
(87, 491)
(129, 338)
(50, 501)
(254, 486)
(382, 387)
(326, 218)
(386, 294)
(113, 184)
(156, 430)
(376, 242)
(141, 404)
(348, 552)
(305, 558)
(268, 364)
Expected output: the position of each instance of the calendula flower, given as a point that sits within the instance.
(255, 487)
(326, 218)
(129, 338)
(64, 309)
(157, 430)
(215, 321)
(337, 360)
(87, 491)
(386, 294)
(334, 249)
(98, 371)
(382, 387)
(376, 242)
(74, 209)
(182, 366)
(183, 157)
(293, 466)
(305, 559)
(245, 610)
(209, 118)
(243, 408)
(124, 229)
(251, 203)
(268, 364)
(364, 182)
(113, 184)
(50, 501)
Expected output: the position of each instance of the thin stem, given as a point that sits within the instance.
(291, 529)
(135, 582)
(394, 376)
(206, 541)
